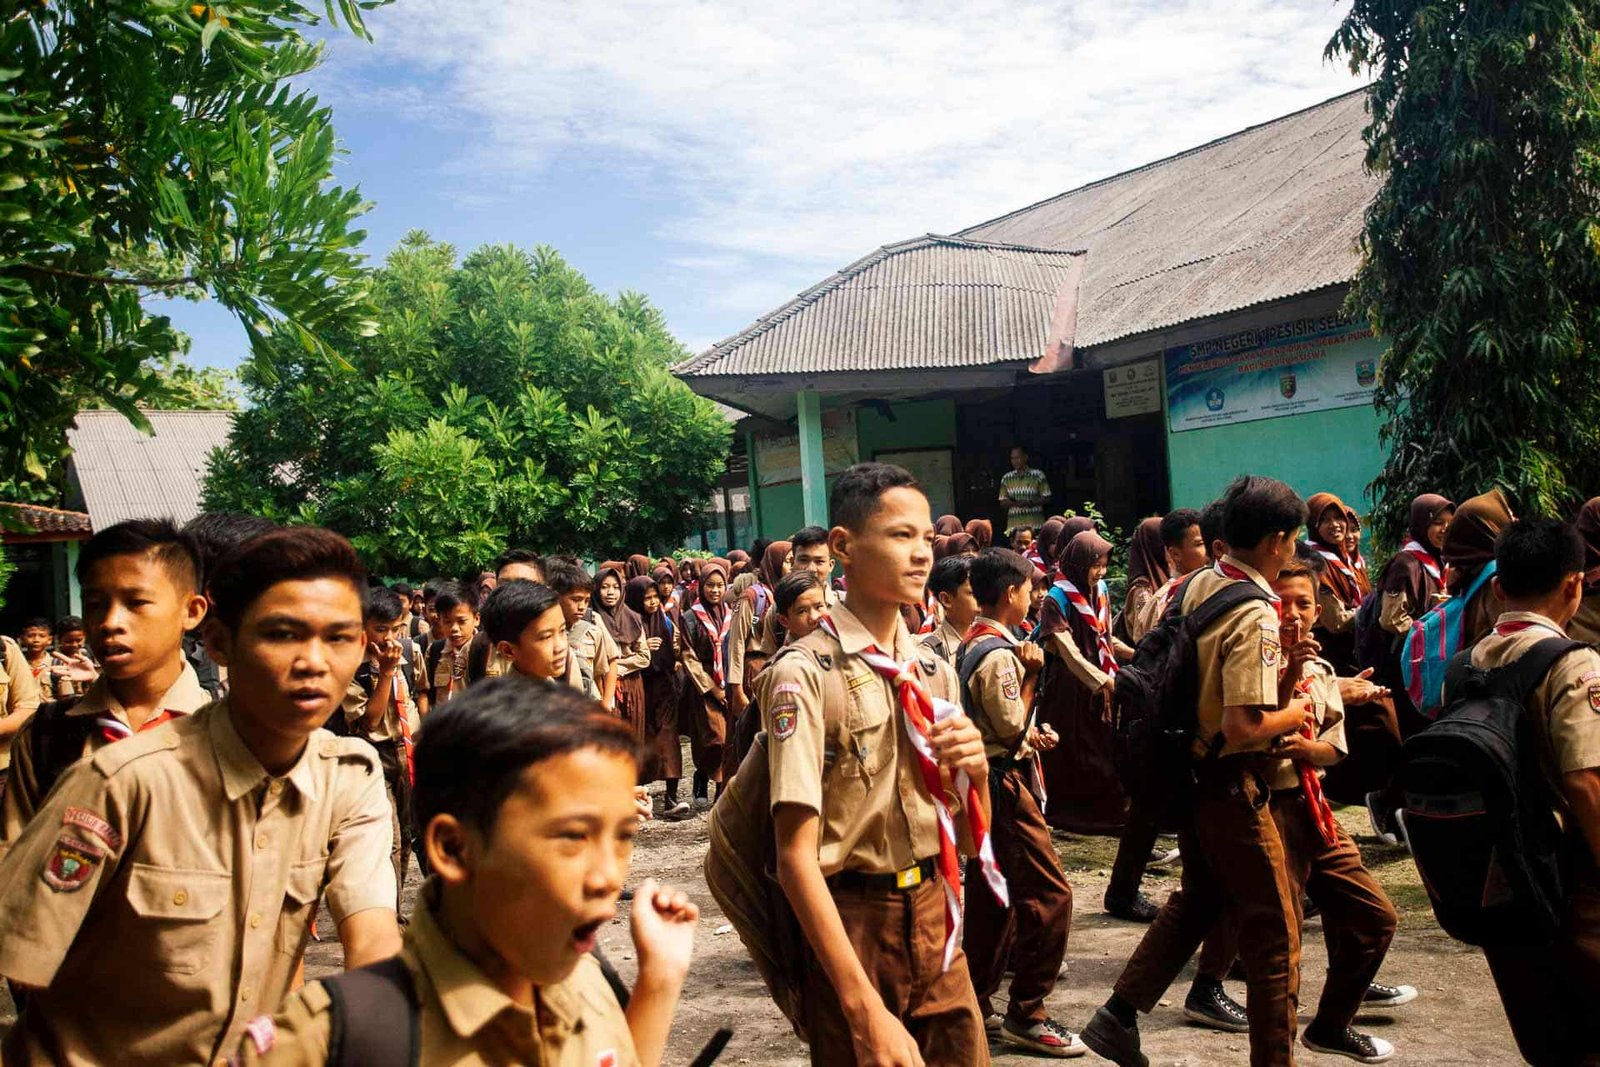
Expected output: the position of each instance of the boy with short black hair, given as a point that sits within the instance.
(141, 597)
(34, 640)
(73, 664)
(525, 807)
(957, 606)
(1243, 707)
(455, 623)
(1549, 991)
(587, 641)
(1001, 675)
(862, 857)
(801, 603)
(164, 892)
(528, 628)
(519, 563)
(216, 536)
(380, 709)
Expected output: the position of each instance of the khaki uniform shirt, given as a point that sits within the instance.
(1336, 618)
(1238, 656)
(592, 645)
(388, 728)
(22, 793)
(464, 1019)
(450, 673)
(944, 642)
(767, 643)
(1585, 625)
(1329, 708)
(742, 634)
(1565, 706)
(19, 691)
(837, 747)
(164, 893)
(998, 710)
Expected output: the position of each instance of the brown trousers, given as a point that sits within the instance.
(1033, 932)
(1232, 855)
(1550, 991)
(898, 935)
(708, 731)
(397, 783)
(1358, 921)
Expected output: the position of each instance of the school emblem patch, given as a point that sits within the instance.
(1366, 372)
(1010, 687)
(1594, 698)
(1269, 653)
(71, 864)
(1215, 399)
(93, 825)
(784, 721)
(1288, 386)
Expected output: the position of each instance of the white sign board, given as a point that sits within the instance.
(1134, 389)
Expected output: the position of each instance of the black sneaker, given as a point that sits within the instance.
(1110, 1040)
(1209, 1005)
(1136, 909)
(1348, 1042)
(1379, 995)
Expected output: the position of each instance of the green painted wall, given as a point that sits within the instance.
(1321, 451)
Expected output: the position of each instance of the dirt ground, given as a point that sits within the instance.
(1456, 1020)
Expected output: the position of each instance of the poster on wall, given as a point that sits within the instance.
(934, 470)
(778, 455)
(1134, 389)
(1312, 364)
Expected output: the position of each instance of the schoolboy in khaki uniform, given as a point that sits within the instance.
(1232, 851)
(858, 839)
(1032, 933)
(165, 890)
(19, 699)
(1550, 991)
(957, 609)
(809, 547)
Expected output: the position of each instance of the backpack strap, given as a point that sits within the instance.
(1218, 604)
(967, 663)
(1519, 678)
(56, 741)
(364, 1008)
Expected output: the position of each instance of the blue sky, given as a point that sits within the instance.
(720, 157)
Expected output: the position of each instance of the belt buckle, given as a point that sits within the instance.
(908, 878)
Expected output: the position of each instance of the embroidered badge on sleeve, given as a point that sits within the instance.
(785, 718)
(93, 825)
(71, 863)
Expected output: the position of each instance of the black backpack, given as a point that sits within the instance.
(1479, 815)
(1156, 696)
(967, 661)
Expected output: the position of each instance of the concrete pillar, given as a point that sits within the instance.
(757, 531)
(813, 475)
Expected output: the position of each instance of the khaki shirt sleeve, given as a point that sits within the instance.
(355, 702)
(634, 659)
(20, 797)
(796, 730)
(1572, 690)
(1325, 691)
(766, 642)
(1394, 614)
(739, 636)
(22, 688)
(1136, 612)
(1090, 676)
(606, 652)
(698, 672)
(996, 688)
(1336, 618)
(297, 1036)
(1251, 656)
(58, 869)
(360, 874)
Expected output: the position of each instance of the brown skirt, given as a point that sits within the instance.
(708, 729)
(1080, 774)
(664, 754)
(631, 704)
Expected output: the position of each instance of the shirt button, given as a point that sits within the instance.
(275, 787)
(261, 841)
(244, 993)
(181, 897)
(255, 921)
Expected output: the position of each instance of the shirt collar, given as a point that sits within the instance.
(1005, 631)
(1531, 617)
(241, 771)
(853, 636)
(1249, 572)
(185, 696)
(468, 999)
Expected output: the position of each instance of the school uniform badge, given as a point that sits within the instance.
(784, 721)
(1594, 698)
(1269, 653)
(71, 864)
(1010, 686)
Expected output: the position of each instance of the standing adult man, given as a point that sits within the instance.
(1024, 491)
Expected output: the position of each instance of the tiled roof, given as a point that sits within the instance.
(126, 474)
(1270, 212)
(32, 520)
(924, 303)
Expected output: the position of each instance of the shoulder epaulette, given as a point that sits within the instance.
(113, 758)
(345, 749)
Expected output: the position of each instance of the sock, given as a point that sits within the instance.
(701, 782)
(671, 792)
(1122, 1011)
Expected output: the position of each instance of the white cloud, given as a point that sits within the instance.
(800, 136)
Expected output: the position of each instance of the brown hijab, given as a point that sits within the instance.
(1424, 509)
(947, 526)
(738, 562)
(1077, 557)
(1147, 555)
(954, 545)
(656, 624)
(771, 566)
(981, 531)
(1589, 527)
(622, 621)
(1044, 541)
(707, 567)
(1340, 576)
(638, 566)
(1469, 539)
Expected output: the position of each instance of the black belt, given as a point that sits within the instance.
(904, 880)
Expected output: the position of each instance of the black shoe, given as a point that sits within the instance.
(1348, 1042)
(1379, 995)
(1110, 1040)
(1136, 909)
(1209, 1005)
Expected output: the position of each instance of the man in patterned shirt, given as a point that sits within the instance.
(1024, 491)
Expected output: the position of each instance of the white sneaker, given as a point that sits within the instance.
(1046, 1037)
(1379, 995)
(1375, 814)
(1363, 1048)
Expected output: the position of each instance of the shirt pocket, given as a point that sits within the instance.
(868, 739)
(300, 895)
(182, 913)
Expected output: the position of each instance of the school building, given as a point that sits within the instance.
(1147, 338)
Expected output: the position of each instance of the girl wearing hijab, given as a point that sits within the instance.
(1409, 585)
(688, 590)
(660, 680)
(1342, 586)
(738, 563)
(638, 566)
(1468, 549)
(706, 624)
(1585, 626)
(982, 531)
(750, 605)
(1084, 791)
(947, 526)
(1042, 553)
(1147, 572)
(627, 630)
(1352, 546)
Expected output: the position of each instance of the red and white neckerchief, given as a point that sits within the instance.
(1429, 561)
(114, 729)
(718, 634)
(1516, 626)
(1337, 562)
(983, 628)
(1164, 597)
(1033, 557)
(919, 710)
(1099, 620)
(401, 706)
(930, 614)
(1228, 570)
(1310, 784)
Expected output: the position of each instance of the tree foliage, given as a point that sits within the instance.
(157, 146)
(1482, 249)
(504, 401)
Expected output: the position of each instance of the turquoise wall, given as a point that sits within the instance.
(1321, 451)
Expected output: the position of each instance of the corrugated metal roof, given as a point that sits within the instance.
(126, 474)
(929, 302)
(34, 520)
(1270, 212)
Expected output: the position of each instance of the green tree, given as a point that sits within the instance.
(1481, 251)
(156, 146)
(504, 401)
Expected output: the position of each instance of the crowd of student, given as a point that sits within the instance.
(233, 737)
